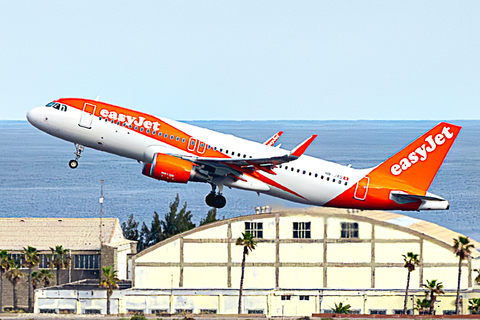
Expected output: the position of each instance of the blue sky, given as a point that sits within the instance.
(253, 60)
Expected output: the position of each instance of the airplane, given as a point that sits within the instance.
(177, 152)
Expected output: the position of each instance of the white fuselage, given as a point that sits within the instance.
(308, 180)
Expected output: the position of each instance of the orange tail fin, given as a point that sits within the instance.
(418, 163)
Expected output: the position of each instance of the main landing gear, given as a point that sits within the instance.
(214, 199)
(78, 153)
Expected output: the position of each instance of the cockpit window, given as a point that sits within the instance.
(58, 106)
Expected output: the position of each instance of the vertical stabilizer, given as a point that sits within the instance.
(418, 163)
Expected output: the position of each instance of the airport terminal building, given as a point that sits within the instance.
(305, 261)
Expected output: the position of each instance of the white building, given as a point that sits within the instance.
(306, 260)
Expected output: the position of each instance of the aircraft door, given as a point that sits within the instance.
(362, 188)
(87, 116)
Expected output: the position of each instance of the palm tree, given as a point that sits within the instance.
(341, 308)
(462, 249)
(474, 305)
(434, 288)
(60, 260)
(45, 276)
(411, 261)
(31, 260)
(4, 266)
(14, 275)
(422, 305)
(109, 281)
(36, 279)
(477, 278)
(248, 242)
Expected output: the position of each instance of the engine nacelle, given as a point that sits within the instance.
(172, 169)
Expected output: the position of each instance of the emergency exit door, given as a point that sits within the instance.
(87, 116)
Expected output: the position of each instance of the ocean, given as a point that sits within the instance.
(35, 180)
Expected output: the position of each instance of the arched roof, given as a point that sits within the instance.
(421, 228)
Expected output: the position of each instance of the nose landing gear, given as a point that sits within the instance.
(78, 153)
(214, 199)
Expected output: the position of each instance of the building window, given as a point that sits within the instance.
(255, 311)
(286, 297)
(44, 262)
(159, 311)
(47, 311)
(183, 311)
(400, 311)
(254, 228)
(349, 230)
(301, 230)
(18, 258)
(92, 311)
(304, 298)
(87, 261)
(378, 311)
(208, 311)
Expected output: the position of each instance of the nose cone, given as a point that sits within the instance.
(36, 117)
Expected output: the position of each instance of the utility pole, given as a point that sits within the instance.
(100, 232)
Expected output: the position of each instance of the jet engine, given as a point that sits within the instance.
(172, 169)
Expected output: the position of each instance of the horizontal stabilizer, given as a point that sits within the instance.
(428, 202)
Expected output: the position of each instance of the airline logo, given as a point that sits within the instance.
(421, 153)
(140, 122)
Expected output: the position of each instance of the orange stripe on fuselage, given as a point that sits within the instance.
(147, 125)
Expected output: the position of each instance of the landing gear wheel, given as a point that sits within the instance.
(216, 201)
(210, 199)
(73, 164)
(220, 201)
(78, 153)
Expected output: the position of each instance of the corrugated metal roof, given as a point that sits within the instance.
(72, 233)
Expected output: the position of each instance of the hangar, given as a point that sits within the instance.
(306, 260)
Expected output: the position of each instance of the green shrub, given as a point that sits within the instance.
(138, 317)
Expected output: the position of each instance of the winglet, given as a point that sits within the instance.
(301, 148)
(272, 140)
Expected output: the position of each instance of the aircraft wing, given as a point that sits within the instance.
(251, 164)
